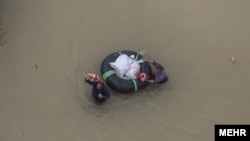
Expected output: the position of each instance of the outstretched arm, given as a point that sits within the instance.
(150, 81)
(149, 61)
(154, 63)
(86, 80)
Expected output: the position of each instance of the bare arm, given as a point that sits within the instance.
(149, 61)
(150, 81)
(87, 80)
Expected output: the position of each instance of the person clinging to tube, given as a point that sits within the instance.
(160, 76)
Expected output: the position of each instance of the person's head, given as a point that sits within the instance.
(99, 85)
(159, 68)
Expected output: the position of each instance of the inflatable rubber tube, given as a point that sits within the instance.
(123, 85)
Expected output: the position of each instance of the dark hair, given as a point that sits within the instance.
(159, 68)
(100, 82)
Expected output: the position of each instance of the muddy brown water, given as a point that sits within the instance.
(50, 42)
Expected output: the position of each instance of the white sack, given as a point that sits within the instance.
(125, 67)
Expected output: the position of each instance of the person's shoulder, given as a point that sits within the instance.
(105, 87)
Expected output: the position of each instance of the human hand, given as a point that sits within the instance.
(149, 81)
(101, 96)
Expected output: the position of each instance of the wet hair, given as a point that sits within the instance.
(159, 68)
(100, 82)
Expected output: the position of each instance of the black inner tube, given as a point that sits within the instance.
(123, 85)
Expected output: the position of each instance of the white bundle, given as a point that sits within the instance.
(126, 67)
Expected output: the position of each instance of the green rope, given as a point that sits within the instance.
(107, 74)
(140, 53)
(135, 85)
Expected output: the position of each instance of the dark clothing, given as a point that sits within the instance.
(160, 77)
(95, 92)
(165, 80)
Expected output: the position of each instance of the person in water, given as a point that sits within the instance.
(160, 76)
(99, 91)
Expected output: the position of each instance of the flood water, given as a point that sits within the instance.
(46, 45)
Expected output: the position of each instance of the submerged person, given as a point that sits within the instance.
(99, 91)
(160, 76)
